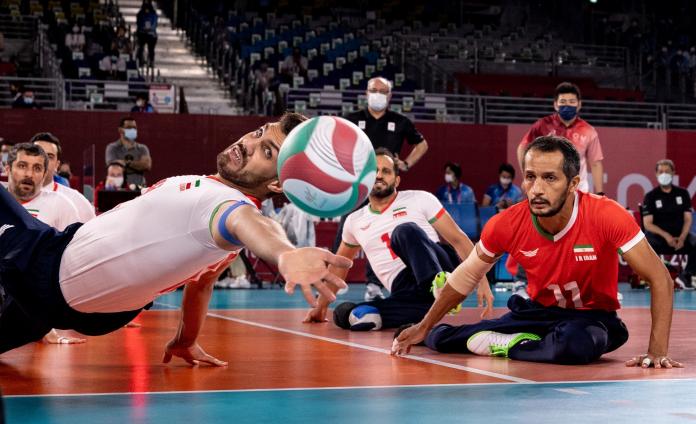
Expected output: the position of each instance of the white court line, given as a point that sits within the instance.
(366, 347)
(397, 386)
(573, 391)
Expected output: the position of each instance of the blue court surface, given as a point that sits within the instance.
(494, 389)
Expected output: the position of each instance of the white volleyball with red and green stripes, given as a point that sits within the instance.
(327, 166)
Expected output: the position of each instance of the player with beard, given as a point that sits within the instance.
(567, 240)
(95, 277)
(398, 231)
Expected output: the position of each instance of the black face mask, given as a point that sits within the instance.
(64, 175)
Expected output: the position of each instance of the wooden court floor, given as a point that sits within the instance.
(278, 365)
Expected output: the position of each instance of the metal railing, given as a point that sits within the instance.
(83, 94)
(421, 106)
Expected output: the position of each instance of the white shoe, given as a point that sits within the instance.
(240, 282)
(490, 343)
(372, 292)
(222, 284)
(520, 288)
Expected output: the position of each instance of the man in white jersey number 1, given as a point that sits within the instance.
(95, 277)
(398, 231)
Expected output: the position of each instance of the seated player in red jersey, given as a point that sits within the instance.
(567, 241)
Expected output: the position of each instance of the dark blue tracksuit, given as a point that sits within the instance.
(410, 296)
(568, 336)
(31, 302)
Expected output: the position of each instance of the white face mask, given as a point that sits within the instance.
(377, 101)
(505, 181)
(664, 179)
(114, 182)
(449, 178)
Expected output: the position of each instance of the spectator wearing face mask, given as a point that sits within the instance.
(504, 193)
(566, 123)
(26, 100)
(113, 66)
(667, 216)
(142, 105)
(133, 155)
(454, 191)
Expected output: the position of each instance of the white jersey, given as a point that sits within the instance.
(123, 259)
(52, 208)
(372, 230)
(84, 208)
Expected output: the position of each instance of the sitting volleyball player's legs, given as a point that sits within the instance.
(399, 233)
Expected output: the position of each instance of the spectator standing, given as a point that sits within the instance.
(146, 21)
(566, 123)
(134, 156)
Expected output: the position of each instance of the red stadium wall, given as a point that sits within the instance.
(182, 144)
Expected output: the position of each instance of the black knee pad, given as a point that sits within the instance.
(341, 314)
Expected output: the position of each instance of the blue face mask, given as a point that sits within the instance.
(567, 113)
(130, 133)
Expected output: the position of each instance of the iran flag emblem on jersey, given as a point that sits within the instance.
(584, 252)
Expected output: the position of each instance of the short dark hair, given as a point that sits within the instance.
(552, 143)
(456, 169)
(49, 138)
(28, 148)
(383, 151)
(567, 88)
(290, 120)
(506, 167)
(124, 119)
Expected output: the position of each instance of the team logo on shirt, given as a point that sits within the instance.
(399, 212)
(33, 212)
(584, 252)
(365, 227)
(530, 253)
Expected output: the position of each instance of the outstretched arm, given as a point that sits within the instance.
(306, 266)
(643, 260)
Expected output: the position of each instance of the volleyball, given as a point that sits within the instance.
(327, 166)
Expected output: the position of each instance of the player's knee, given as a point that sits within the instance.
(357, 317)
(582, 344)
(341, 314)
(438, 339)
(405, 234)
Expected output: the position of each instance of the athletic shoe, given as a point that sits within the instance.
(222, 284)
(438, 283)
(490, 343)
(372, 292)
(520, 288)
(240, 282)
(683, 281)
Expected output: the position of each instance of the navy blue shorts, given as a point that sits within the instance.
(32, 302)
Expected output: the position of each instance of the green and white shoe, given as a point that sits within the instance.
(490, 343)
(438, 283)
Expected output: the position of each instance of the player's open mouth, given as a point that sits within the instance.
(235, 155)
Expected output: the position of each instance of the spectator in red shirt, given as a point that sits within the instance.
(566, 123)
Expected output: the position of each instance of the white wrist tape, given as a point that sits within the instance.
(469, 273)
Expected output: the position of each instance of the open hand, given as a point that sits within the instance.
(193, 354)
(646, 360)
(309, 266)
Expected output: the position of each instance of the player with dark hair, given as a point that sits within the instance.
(567, 242)
(95, 277)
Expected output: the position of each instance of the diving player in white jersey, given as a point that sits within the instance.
(51, 145)
(96, 277)
(26, 168)
(398, 231)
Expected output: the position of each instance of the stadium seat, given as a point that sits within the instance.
(464, 214)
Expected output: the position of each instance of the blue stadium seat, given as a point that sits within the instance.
(501, 272)
(486, 213)
(464, 214)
